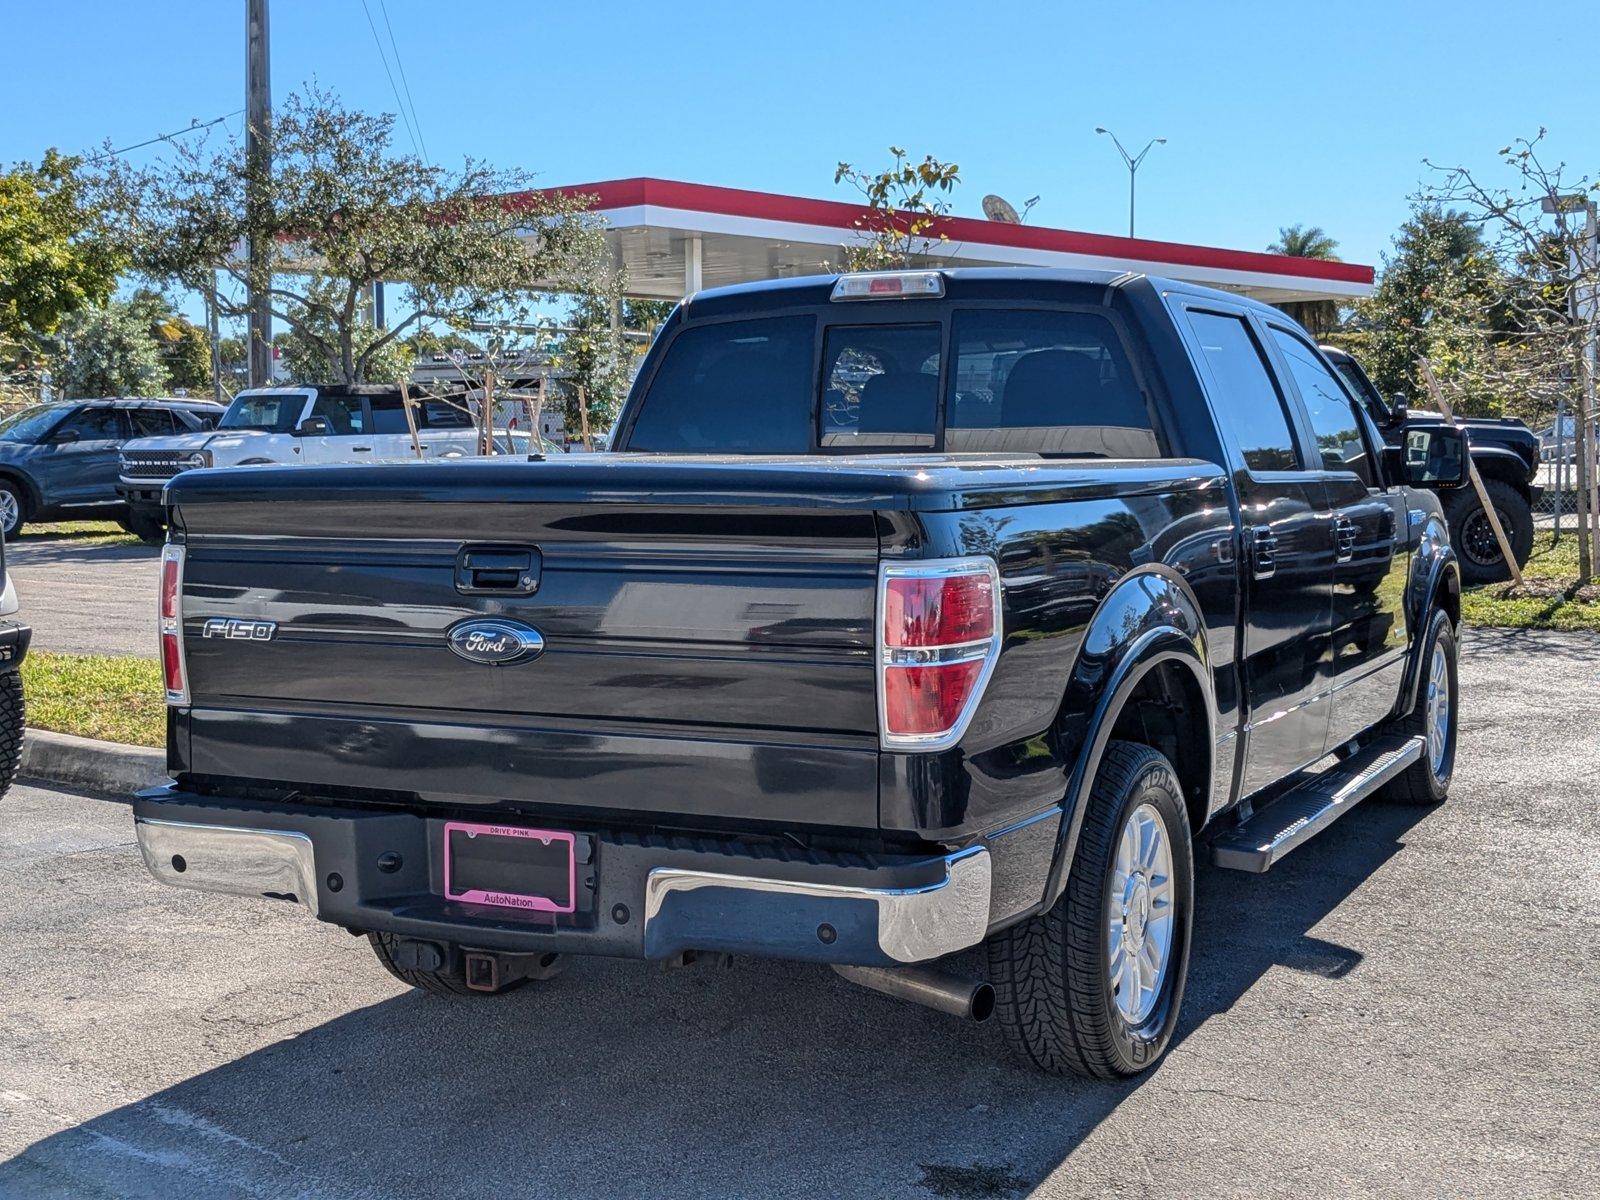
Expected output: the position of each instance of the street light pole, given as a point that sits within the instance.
(1133, 161)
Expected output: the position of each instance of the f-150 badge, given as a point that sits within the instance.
(237, 630)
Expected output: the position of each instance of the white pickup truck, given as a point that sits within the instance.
(285, 425)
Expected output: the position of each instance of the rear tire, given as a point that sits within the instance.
(1427, 781)
(1062, 1000)
(13, 721)
(1473, 536)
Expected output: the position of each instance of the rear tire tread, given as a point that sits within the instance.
(13, 723)
(1068, 1028)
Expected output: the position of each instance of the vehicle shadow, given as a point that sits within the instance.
(49, 553)
(615, 1080)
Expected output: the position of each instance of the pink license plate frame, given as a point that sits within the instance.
(527, 903)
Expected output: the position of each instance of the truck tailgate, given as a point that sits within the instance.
(709, 657)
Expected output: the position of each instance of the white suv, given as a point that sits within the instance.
(344, 424)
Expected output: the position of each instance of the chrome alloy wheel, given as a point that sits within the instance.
(9, 510)
(1438, 725)
(1140, 915)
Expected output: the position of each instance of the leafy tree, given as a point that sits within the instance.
(343, 209)
(425, 343)
(1437, 299)
(110, 352)
(53, 259)
(597, 362)
(304, 345)
(1309, 241)
(904, 201)
(185, 348)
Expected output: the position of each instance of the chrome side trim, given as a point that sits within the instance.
(914, 924)
(238, 862)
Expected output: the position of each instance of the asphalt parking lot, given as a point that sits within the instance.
(87, 599)
(1407, 1006)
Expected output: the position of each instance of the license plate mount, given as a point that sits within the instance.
(506, 866)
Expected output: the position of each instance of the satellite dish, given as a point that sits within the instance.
(997, 209)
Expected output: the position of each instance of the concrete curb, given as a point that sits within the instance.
(107, 767)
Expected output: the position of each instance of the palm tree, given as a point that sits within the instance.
(1309, 241)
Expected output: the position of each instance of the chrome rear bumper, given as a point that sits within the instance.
(684, 908)
(239, 862)
(913, 924)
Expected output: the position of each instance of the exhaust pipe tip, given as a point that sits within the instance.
(971, 999)
(982, 1002)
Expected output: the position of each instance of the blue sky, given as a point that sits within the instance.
(1274, 113)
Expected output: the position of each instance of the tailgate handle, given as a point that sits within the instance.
(498, 570)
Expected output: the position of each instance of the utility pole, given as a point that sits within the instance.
(258, 167)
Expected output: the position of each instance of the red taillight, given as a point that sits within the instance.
(172, 660)
(923, 611)
(937, 642)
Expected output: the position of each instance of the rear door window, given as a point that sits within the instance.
(1045, 383)
(733, 387)
(880, 387)
(151, 422)
(1333, 415)
(387, 415)
(1246, 399)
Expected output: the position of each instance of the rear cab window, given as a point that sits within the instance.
(1006, 380)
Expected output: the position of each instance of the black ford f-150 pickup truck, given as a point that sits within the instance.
(915, 612)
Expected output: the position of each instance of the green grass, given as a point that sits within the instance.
(80, 533)
(96, 696)
(1548, 599)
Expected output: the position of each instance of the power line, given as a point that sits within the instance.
(384, 58)
(193, 127)
(416, 121)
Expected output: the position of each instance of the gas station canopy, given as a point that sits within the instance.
(674, 239)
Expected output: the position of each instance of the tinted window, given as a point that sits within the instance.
(880, 386)
(387, 415)
(1333, 417)
(1048, 383)
(274, 412)
(441, 414)
(737, 387)
(1247, 398)
(30, 424)
(94, 425)
(343, 412)
(150, 422)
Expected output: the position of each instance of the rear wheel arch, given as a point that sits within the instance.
(1145, 652)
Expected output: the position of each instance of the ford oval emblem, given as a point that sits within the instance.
(495, 642)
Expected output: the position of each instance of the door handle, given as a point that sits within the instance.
(1344, 539)
(1263, 552)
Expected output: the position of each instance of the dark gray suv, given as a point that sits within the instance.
(61, 459)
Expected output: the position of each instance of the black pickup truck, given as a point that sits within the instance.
(915, 612)
(1506, 453)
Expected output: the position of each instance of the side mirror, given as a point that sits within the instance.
(315, 427)
(1436, 456)
(62, 436)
